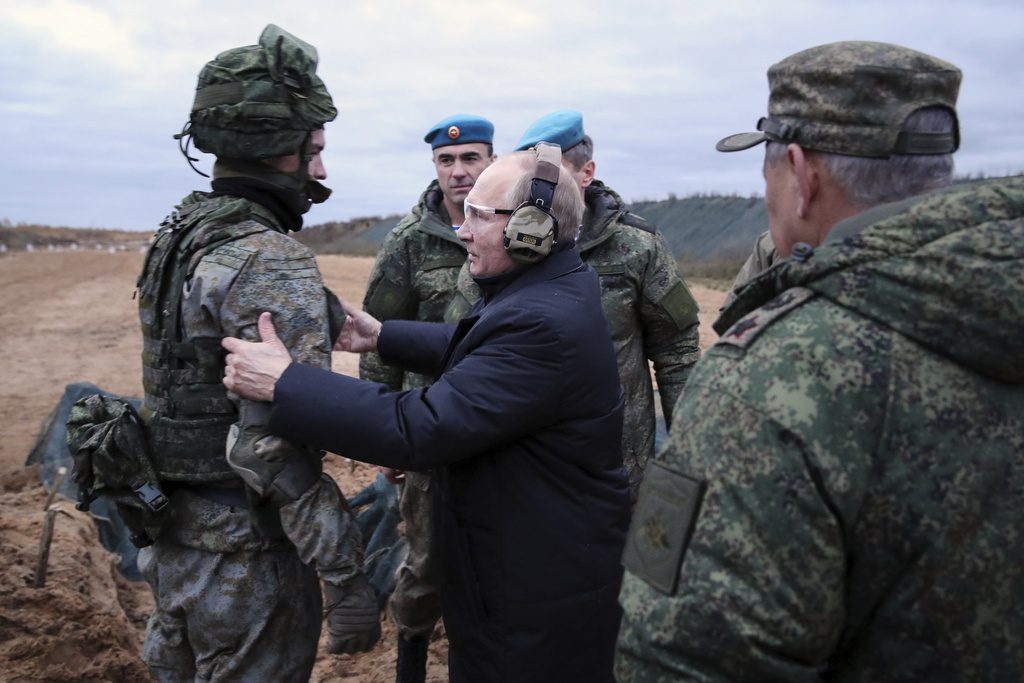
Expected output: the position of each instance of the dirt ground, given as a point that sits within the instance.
(68, 317)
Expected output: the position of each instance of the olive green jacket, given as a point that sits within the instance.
(413, 278)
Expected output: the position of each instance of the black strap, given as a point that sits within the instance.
(926, 143)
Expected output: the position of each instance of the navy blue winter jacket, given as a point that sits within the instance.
(522, 430)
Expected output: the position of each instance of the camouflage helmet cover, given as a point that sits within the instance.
(260, 101)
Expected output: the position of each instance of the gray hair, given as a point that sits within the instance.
(566, 204)
(580, 153)
(868, 181)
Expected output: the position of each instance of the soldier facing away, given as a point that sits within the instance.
(763, 257)
(840, 499)
(234, 575)
(414, 278)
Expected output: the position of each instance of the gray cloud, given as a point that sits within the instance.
(92, 91)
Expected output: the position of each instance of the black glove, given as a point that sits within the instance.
(353, 618)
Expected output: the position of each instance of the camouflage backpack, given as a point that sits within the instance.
(111, 454)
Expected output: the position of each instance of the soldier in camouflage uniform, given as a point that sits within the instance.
(763, 257)
(651, 313)
(414, 279)
(234, 575)
(843, 502)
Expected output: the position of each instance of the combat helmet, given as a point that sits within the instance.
(259, 101)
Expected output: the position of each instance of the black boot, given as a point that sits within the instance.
(412, 660)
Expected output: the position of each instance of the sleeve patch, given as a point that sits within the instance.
(749, 327)
(680, 305)
(663, 521)
(387, 301)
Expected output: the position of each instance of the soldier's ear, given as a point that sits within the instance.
(807, 177)
(588, 171)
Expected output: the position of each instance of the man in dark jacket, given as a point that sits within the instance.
(414, 278)
(522, 429)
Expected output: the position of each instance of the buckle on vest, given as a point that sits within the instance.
(150, 495)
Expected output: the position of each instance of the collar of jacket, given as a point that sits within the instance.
(433, 217)
(286, 205)
(563, 259)
(603, 206)
(941, 269)
(788, 272)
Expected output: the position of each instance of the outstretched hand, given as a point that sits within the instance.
(360, 331)
(252, 369)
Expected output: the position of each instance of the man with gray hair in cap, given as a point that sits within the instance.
(234, 570)
(844, 500)
(414, 278)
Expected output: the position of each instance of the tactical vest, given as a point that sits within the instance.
(185, 406)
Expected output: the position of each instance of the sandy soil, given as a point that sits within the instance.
(68, 317)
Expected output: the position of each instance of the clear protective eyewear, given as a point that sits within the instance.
(484, 213)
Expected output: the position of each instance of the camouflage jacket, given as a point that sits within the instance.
(231, 285)
(843, 500)
(650, 312)
(413, 279)
(763, 257)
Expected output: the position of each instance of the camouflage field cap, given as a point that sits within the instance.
(853, 98)
(260, 101)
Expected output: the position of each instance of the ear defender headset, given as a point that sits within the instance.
(531, 228)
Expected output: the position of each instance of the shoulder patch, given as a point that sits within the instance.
(388, 301)
(663, 522)
(749, 327)
(680, 305)
(631, 219)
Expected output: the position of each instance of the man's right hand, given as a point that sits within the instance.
(360, 331)
(393, 475)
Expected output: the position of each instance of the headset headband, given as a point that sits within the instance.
(545, 178)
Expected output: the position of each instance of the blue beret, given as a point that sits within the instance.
(563, 128)
(460, 129)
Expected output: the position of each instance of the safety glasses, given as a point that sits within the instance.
(484, 213)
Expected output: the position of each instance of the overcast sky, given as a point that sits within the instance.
(91, 92)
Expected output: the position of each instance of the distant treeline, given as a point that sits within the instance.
(710, 234)
(698, 229)
(23, 236)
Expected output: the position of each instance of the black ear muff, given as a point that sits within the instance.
(531, 229)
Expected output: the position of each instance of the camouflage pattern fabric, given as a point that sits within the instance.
(853, 98)
(761, 259)
(269, 271)
(230, 604)
(414, 278)
(415, 604)
(260, 101)
(230, 286)
(840, 496)
(651, 314)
